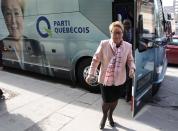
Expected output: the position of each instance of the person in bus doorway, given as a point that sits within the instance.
(17, 47)
(113, 54)
(128, 36)
(128, 31)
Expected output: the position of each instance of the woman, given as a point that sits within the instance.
(16, 47)
(113, 54)
(13, 11)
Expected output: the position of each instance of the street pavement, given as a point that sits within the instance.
(40, 103)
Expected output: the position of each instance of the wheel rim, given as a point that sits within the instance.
(95, 80)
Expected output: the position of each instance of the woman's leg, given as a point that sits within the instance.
(105, 109)
(110, 113)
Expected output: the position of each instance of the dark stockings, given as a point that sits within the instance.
(108, 109)
(105, 109)
(111, 110)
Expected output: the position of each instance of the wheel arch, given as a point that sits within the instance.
(78, 62)
(83, 55)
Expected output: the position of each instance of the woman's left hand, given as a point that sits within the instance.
(131, 73)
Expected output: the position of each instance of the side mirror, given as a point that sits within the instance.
(142, 46)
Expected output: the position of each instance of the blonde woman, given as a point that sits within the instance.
(113, 54)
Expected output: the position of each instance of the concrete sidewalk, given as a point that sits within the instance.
(39, 105)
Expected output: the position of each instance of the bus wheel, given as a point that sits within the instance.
(82, 72)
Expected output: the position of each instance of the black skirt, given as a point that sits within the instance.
(111, 93)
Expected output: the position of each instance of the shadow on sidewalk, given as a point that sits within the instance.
(14, 121)
(162, 111)
(116, 128)
(123, 127)
(38, 76)
(120, 127)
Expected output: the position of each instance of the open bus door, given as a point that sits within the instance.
(142, 15)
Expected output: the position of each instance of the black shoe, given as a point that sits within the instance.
(102, 126)
(103, 121)
(112, 124)
(111, 121)
(1, 92)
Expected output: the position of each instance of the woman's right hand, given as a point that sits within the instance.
(88, 79)
(131, 73)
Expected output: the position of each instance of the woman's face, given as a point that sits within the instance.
(13, 18)
(116, 34)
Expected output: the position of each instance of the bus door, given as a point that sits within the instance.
(144, 53)
(144, 58)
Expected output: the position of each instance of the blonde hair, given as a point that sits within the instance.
(20, 2)
(116, 24)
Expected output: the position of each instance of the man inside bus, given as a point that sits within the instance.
(16, 46)
(128, 31)
(128, 36)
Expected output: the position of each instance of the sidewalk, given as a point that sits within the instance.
(39, 105)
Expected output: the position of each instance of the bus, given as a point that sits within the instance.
(59, 37)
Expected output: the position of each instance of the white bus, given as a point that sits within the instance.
(59, 37)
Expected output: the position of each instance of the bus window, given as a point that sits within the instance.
(146, 26)
(147, 11)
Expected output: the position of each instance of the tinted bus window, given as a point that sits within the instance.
(147, 11)
(159, 18)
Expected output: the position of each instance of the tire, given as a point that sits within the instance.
(82, 72)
